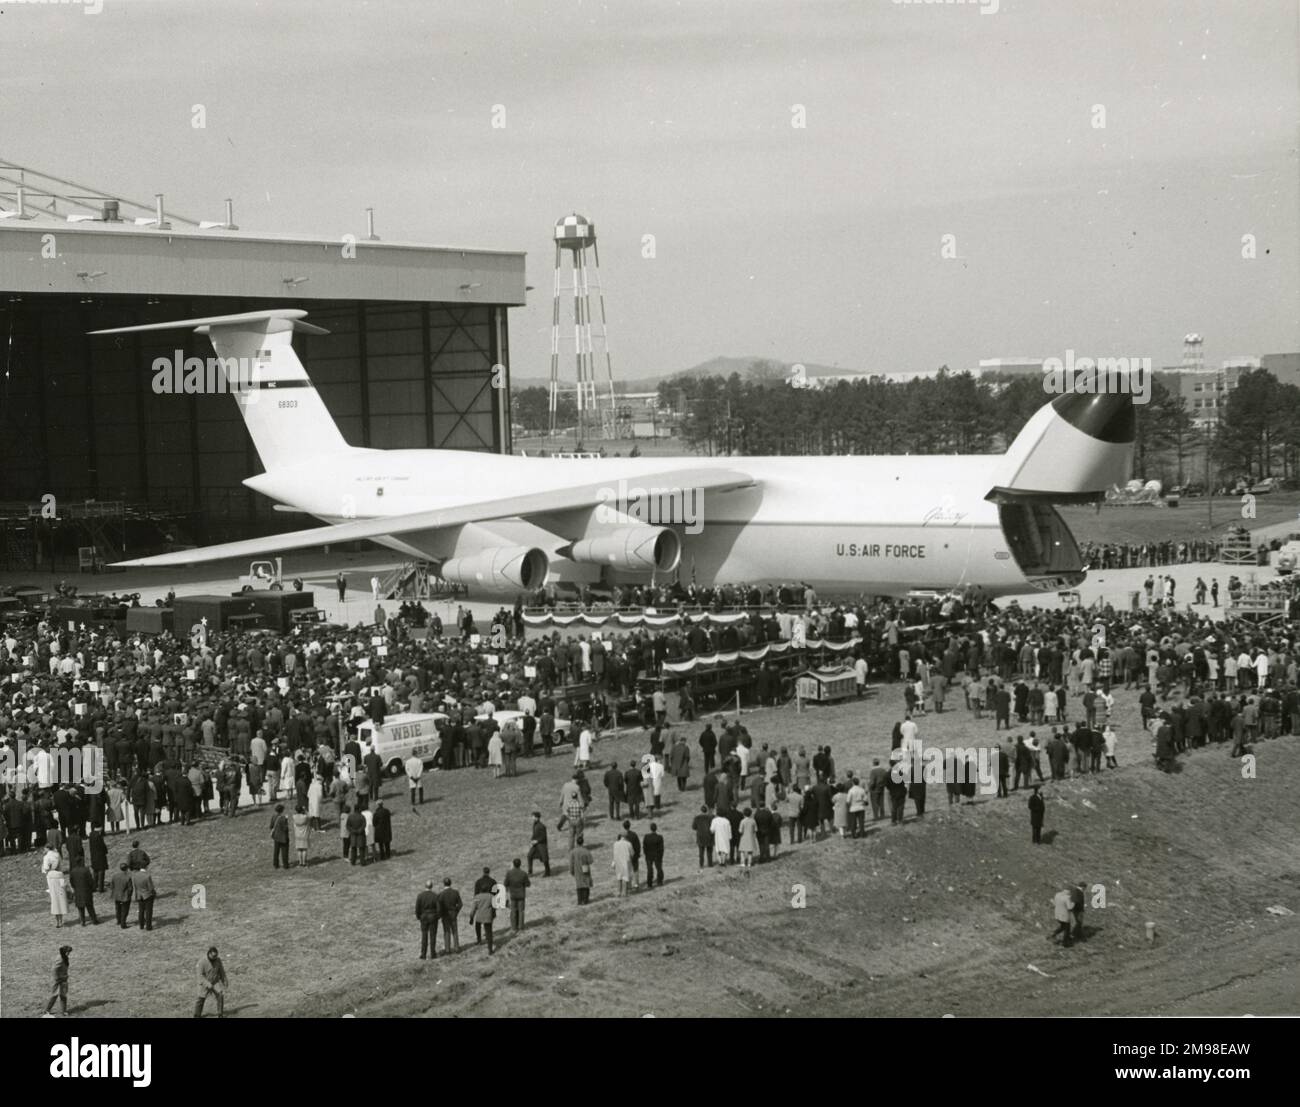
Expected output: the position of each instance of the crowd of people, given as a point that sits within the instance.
(183, 725)
(1144, 555)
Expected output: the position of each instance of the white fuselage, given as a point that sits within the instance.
(874, 525)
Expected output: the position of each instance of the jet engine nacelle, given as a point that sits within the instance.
(631, 549)
(499, 568)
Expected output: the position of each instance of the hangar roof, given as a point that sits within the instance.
(45, 253)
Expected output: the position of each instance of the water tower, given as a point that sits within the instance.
(576, 236)
(1193, 353)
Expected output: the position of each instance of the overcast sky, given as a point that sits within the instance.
(674, 119)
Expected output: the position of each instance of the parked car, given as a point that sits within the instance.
(562, 726)
(1268, 484)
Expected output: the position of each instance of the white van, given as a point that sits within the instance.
(400, 736)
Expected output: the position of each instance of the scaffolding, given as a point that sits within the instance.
(37, 536)
(1237, 548)
(1261, 604)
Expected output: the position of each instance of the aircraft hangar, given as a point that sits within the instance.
(418, 339)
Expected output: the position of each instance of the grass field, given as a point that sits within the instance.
(944, 914)
(1191, 519)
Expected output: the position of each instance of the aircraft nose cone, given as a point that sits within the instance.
(1105, 416)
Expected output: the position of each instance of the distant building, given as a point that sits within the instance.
(1286, 367)
(1010, 367)
(799, 378)
(640, 416)
(1206, 390)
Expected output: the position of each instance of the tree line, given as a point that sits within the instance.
(760, 414)
(1258, 433)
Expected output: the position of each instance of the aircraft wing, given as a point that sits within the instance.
(549, 502)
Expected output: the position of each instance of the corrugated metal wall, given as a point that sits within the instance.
(79, 419)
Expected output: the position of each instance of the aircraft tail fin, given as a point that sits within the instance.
(285, 416)
(1073, 449)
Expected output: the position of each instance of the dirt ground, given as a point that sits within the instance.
(946, 914)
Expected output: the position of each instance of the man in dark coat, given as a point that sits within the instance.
(708, 745)
(374, 771)
(17, 824)
(1165, 747)
(703, 824)
(877, 783)
(352, 749)
(98, 858)
(822, 795)
(1058, 755)
(710, 787)
(76, 847)
(538, 848)
(183, 798)
(121, 890)
(142, 886)
(1082, 742)
(766, 831)
(66, 808)
(356, 825)
(1097, 744)
(383, 819)
(516, 883)
(279, 837)
(83, 890)
(1002, 706)
(652, 845)
(428, 912)
(1036, 810)
(916, 792)
(137, 858)
(614, 787)
(632, 790)
(449, 905)
(723, 795)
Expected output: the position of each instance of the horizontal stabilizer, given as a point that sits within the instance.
(291, 315)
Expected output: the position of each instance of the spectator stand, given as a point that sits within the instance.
(1262, 604)
(765, 674)
(1237, 548)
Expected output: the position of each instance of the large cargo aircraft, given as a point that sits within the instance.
(500, 524)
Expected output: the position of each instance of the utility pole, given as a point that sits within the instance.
(1209, 489)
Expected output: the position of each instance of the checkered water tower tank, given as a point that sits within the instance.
(574, 232)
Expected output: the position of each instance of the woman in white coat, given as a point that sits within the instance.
(315, 793)
(495, 746)
(56, 886)
(582, 749)
(287, 785)
(370, 833)
(721, 827)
